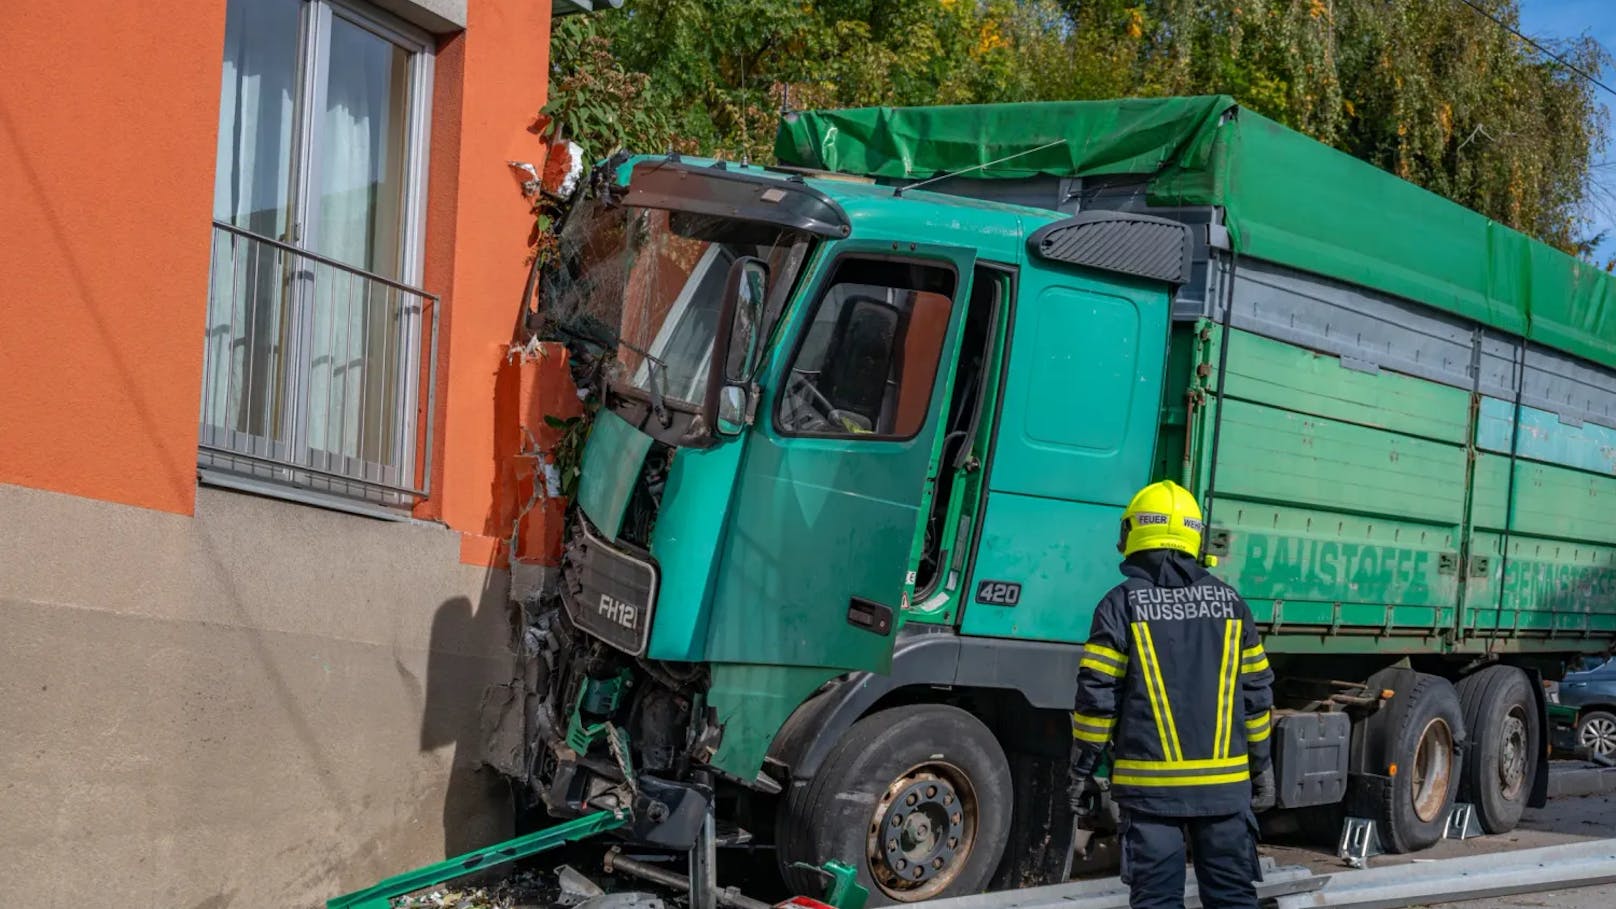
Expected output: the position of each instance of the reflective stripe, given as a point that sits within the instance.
(1228, 671)
(1096, 730)
(1161, 710)
(1258, 727)
(1090, 721)
(1103, 668)
(1180, 773)
(1253, 660)
(1104, 652)
(1103, 659)
(1211, 779)
(1160, 767)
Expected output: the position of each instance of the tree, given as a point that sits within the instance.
(1427, 89)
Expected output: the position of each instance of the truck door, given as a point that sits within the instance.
(1076, 433)
(832, 480)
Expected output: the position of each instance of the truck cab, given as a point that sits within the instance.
(801, 379)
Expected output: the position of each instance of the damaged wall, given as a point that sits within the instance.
(212, 699)
(247, 708)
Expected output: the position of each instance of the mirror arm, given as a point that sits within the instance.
(753, 393)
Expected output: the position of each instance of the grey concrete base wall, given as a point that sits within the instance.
(264, 705)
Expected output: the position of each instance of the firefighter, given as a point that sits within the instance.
(1175, 680)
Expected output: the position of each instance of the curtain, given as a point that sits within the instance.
(357, 326)
(252, 189)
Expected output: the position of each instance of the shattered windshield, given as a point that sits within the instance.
(652, 281)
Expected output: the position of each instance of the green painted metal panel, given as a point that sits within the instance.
(1340, 497)
(1063, 554)
(687, 542)
(1074, 441)
(613, 456)
(382, 895)
(1278, 456)
(1293, 378)
(1552, 502)
(1300, 554)
(753, 702)
(1544, 437)
(818, 522)
(1549, 586)
(1084, 388)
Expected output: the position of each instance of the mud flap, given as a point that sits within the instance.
(1539, 796)
(1040, 846)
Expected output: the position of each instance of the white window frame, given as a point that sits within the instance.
(315, 25)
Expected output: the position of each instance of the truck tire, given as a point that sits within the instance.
(1416, 743)
(1504, 739)
(917, 798)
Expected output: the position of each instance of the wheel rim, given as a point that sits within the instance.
(1433, 768)
(922, 831)
(1598, 735)
(1512, 754)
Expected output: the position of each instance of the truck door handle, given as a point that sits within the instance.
(869, 615)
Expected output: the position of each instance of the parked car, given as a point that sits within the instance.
(1593, 693)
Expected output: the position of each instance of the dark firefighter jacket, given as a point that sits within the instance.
(1174, 676)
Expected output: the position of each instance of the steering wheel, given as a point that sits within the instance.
(815, 414)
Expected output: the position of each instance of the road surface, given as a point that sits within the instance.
(1563, 820)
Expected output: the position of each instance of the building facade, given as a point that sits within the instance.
(262, 442)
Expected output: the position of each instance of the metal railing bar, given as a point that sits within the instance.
(430, 418)
(330, 314)
(331, 475)
(323, 260)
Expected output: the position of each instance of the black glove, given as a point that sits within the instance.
(1263, 790)
(1079, 773)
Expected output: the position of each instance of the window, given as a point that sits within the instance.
(868, 359)
(316, 337)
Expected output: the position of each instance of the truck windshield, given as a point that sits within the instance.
(652, 281)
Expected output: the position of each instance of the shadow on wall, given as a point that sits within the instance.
(477, 802)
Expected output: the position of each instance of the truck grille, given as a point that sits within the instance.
(608, 593)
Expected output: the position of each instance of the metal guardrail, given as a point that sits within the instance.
(316, 375)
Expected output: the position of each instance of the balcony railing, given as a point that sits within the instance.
(317, 375)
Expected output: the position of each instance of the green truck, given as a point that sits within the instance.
(869, 417)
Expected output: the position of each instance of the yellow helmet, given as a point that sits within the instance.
(1162, 516)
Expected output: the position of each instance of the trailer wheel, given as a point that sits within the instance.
(918, 797)
(1417, 741)
(1504, 740)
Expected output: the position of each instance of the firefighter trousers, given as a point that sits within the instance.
(1225, 853)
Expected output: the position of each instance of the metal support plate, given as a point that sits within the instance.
(1360, 842)
(1462, 823)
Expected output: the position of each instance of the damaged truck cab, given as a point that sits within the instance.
(852, 489)
(787, 474)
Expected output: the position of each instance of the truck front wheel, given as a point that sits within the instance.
(918, 797)
(1504, 741)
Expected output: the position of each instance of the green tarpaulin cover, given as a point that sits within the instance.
(1286, 198)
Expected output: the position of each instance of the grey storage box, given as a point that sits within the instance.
(1310, 758)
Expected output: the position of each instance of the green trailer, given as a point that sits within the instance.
(870, 417)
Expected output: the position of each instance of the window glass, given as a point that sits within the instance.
(252, 181)
(868, 359)
(362, 150)
(312, 368)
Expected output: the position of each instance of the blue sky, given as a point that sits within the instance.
(1549, 19)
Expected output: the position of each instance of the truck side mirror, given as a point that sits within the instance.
(748, 287)
(736, 354)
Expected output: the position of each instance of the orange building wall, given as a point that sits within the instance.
(108, 113)
(478, 227)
